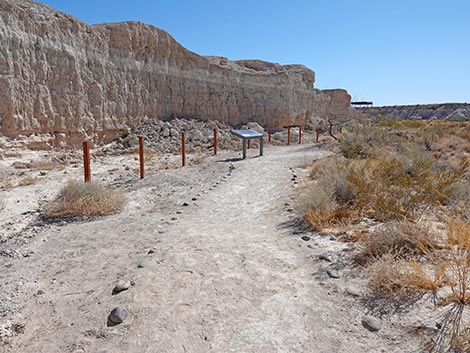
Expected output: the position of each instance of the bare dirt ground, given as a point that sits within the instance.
(228, 270)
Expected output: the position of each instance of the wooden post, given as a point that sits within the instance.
(340, 129)
(215, 141)
(183, 149)
(141, 156)
(86, 161)
(300, 134)
(288, 135)
(269, 134)
(317, 133)
(249, 143)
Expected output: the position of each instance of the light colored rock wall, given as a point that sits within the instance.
(332, 104)
(66, 80)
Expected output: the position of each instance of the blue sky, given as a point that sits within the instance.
(389, 52)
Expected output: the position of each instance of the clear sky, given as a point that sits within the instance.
(389, 52)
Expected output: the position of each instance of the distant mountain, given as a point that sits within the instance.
(444, 111)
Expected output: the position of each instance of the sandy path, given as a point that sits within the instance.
(226, 276)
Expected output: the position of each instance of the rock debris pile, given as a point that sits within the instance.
(165, 136)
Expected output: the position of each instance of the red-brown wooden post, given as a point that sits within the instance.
(183, 149)
(141, 156)
(249, 143)
(215, 141)
(86, 161)
(300, 134)
(317, 133)
(269, 134)
(288, 135)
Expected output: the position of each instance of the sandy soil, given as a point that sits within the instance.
(229, 272)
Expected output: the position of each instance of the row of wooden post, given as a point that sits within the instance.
(288, 134)
(86, 151)
(87, 164)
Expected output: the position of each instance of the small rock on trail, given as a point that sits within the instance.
(325, 257)
(355, 292)
(122, 285)
(371, 323)
(117, 315)
(333, 273)
(143, 264)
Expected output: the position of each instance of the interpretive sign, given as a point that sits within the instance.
(249, 134)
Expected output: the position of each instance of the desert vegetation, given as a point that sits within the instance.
(406, 185)
(78, 199)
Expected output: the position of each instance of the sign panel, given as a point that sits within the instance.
(247, 133)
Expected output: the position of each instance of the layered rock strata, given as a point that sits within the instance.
(445, 111)
(65, 80)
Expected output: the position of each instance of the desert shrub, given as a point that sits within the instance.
(389, 281)
(396, 187)
(199, 159)
(391, 189)
(366, 140)
(461, 343)
(427, 277)
(325, 201)
(460, 198)
(315, 197)
(454, 264)
(85, 199)
(402, 239)
(331, 174)
(399, 280)
(458, 261)
(317, 205)
(464, 132)
(399, 124)
(28, 180)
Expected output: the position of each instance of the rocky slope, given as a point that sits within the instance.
(62, 80)
(447, 111)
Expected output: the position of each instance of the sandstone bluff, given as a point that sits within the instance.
(63, 80)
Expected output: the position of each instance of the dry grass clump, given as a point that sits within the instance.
(149, 154)
(404, 240)
(27, 180)
(86, 199)
(199, 159)
(458, 262)
(398, 173)
(460, 199)
(363, 141)
(411, 267)
(326, 201)
(6, 183)
(384, 189)
(389, 189)
(389, 281)
(454, 262)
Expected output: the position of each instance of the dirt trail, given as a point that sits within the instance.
(227, 274)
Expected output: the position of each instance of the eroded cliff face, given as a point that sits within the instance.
(65, 80)
(445, 111)
(333, 105)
